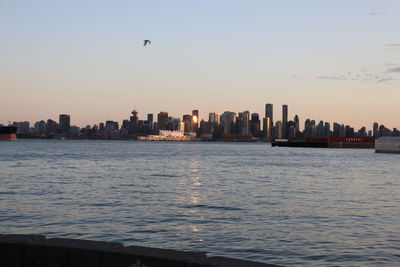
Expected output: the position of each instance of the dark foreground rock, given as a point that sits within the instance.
(37, 251)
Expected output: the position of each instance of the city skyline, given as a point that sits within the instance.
(329, 61)
(226, 125)
(277, 116)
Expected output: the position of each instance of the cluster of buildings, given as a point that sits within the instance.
(228, 126)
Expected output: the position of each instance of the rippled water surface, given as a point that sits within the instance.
(288, 206)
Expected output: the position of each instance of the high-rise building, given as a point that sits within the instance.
(327, 129)
(213, 118)
(40, 127)
(187, 123)
(255, 124)
(162, 120)
(284, 121)
(150, 121)
(269, 121)
(195, 120)
(64, 123)
(375, 129)
(126, 124)
(51, 127)
(173, 124)
(309, 128)
(269, 112)
(244, 122)
(134, 119)
(320, 128)
(109, 127)
(228, 119)
(278, 132)
(296, 123)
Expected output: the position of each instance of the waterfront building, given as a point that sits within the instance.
(320, 128)
(228, 119)
(362, 132)
(342, 132)
(375, 129)
(75, 131)
(278, 130)
(162, 118)
(116, 125)
(383, 131)
(214, 118)
(309, 128)
(40, 127)
(64, 123)
(291, 130)
(327, 129)
(205, 128)
(109, 127)
(244, 123)
(150, 121)
(336, 129)
(51, 127)
(187, 121)
(173, 124)
(133, 122)
(349, 131)
(195, 120)
(126, 124)
(296, 123)
(255, 125)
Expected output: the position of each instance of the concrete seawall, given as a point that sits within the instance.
(37, 250)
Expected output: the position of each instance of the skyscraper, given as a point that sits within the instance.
(150, 121)
(195, 120)
(269, 121)
(284, 121)
(375, 129)
(228, 119)
(213, 118)
(187, 121)
(296, 123)
(64, 123)
(243, 122)
(134, 118)
(162, 118)
(51, 126)
(255, 124)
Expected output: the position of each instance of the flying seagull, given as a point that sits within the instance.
(146, 42)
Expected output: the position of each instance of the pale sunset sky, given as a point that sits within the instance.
(335, 60)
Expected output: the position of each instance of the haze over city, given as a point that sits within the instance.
(331, 61)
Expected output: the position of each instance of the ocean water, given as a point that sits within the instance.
(288, 206)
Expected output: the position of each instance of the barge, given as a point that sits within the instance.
(327, 142)
(388, 144)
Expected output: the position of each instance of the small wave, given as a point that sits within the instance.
(165, 175)
(200, 206)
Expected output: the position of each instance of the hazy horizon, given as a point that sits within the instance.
(333, 61)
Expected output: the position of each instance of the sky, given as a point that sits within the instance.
(336, 61)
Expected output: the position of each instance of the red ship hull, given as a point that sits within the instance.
(8, 133)
(8, 137)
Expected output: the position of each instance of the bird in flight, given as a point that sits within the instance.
(146, 42)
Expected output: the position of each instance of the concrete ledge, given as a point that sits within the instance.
(37, 251)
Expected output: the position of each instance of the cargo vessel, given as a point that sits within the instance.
(388, 144)
(8, 133)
